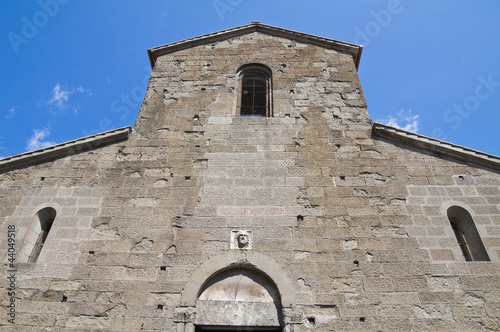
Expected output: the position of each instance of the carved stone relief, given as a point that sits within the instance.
(241, 239)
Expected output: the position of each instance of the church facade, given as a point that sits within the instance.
(253, 194)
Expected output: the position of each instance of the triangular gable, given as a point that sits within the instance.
(352, 49)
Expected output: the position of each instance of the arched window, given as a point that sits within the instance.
(255, 98)
(467, 235)
(43, 222)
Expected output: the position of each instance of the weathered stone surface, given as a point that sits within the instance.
(350, 229)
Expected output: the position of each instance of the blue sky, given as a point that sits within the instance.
(72, 68)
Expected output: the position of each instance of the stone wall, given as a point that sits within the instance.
(351, 228)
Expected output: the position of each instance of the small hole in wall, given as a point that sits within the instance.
(324, 70)
(160, 306)
(292, 92)
(362, 319)
(337, 146)
(287, 115)
(311, 320)
(64, 299)
(297, 145)
(356, 263)
(163, 268)
(342, 177)
(283, 65)
(461, 177)
(187, 178)
(300, 218)
(171, 175)
(203, 89)
(91, 252)
(197, 146)
(196, 118)
(42, 178)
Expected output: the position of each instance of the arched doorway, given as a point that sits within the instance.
(239, 300)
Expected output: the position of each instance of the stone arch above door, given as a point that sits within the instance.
(239, 297)
(239, 259)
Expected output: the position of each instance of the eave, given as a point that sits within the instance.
(439, 147)
(65, 149)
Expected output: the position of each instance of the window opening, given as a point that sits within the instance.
(46, 217)
(253, 97)
(466, 233)
(255, 91)
(459, 234)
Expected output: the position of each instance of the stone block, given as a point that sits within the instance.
(378, 284)
(410, 284)
(442, 255)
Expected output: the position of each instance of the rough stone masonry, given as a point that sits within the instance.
(311, 218)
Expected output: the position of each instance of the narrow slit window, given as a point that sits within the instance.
(467, 236)
(459, 234)
(46, 218)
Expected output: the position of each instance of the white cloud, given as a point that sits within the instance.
(11, 112)
(37, 140)
(60, 97)
(402, 120)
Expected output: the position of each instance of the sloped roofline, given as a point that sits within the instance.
(381, 130)
(352, 49)
(454, 151)
(65, 149)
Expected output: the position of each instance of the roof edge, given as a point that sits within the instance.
(66, 149)
(434, 145)
(353, 49)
